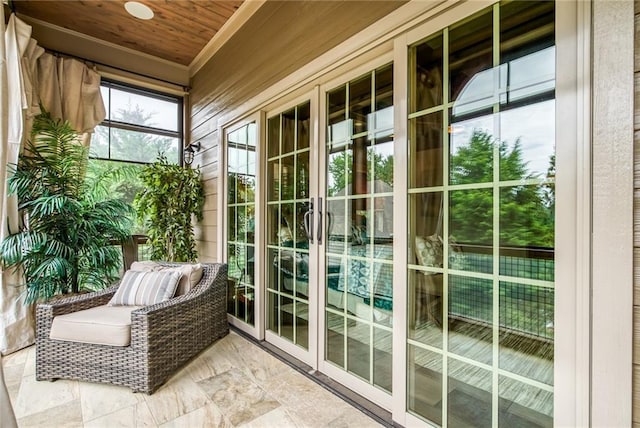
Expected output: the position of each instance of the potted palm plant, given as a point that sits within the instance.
(70, 225)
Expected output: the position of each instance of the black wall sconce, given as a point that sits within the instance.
(190, 151)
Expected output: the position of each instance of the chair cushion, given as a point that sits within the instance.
(101, 325)
(145, 288)
(191, 273)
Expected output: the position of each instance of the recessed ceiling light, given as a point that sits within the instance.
(139, 10)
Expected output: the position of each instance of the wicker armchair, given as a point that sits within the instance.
(164, 336)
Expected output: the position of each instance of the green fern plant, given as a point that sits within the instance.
(65, 243)
(171, 196)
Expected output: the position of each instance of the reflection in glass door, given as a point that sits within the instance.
(481, 220)
(359, 224)
(288, 208)
(241, 222)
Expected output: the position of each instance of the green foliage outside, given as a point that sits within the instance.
(526, 211)
(341, 167)
(130, 145)
(171, 196)
(70, 221)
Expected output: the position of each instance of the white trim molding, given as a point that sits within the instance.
(612, 213)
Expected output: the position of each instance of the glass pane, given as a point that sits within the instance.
(526, 330)
(471, 145)
(384, 88)
(338, 169)
(383, 293)
(302, 324)
(527, 232)
(470, 52)
(360, 178)
(359, 229)
(249, 265)
(287, 271)
(356, 279)
(144, 110)
(528, 142)
(272, 311)
(358, 351)
(286, 317)
(302, 280)
(304, 126)
(335, 338)
(288, 131)
(241, 223)
(424, 383)
(425, 158)
(381, 226)
(302, 175)
(381, 159)
(526, 46)
(287, 225)
(105, 93)
(469, 398)
(425, 308)
(426, 88)
(523, 405)
(100, 142)
(300, 234)
(335, 295)
(426, 229)
(249, 299)
(232, 225)
(360, 103)
(336, 226)
(288, 178)
(142, 147)
(273, 267)
(471, 230)
(273, 180)
(471, 318)
(382, 358)
(273, 136)
(336, 103)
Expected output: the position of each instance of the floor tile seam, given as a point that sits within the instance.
(15, 404)
(318, 381)
(225, 415)
(211, 403)
(85, 421)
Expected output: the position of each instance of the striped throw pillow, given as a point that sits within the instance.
(145, 288)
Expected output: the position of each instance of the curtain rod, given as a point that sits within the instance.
(185, 89)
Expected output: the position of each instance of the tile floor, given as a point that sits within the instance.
(233, 383)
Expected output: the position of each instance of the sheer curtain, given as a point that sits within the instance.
(69, 90)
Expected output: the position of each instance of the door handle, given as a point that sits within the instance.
(308, 219)
(319, 221)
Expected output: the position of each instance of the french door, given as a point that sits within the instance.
(407, 232)
(290, 320)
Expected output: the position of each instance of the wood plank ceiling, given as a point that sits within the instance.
(177, 33)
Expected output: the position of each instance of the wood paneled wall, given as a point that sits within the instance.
(280, 38)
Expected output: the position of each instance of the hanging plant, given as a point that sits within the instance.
(173, 195)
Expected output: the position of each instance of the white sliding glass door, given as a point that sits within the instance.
(481, 214)
(357, 247)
